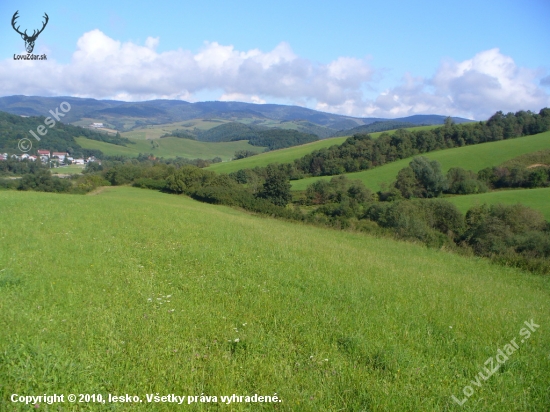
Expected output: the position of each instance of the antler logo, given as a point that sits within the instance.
(29, 40)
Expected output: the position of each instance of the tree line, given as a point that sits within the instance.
(362, 152)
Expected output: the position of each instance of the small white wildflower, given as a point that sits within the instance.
(326, 360)
(149, 300)
(236, 340)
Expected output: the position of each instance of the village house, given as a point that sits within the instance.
(60, 155)
(43, 153)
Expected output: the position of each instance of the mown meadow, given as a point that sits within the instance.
(475, 157)
(170, 147)
(289, 154)
(538, 199)
(132, 291)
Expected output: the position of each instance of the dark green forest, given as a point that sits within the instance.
(256, 136)
(271, 138)
(58, 138)
(362, 152)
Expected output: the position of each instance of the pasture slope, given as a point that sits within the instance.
(170, 147)
(286, 155)
(475, 157)
(538, 199)
(136, 292)
(289, 154)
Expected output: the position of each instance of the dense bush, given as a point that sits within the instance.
(434, 222)
(463, 182)
(423, 178)
(276, 187)
(241, 154)
(515, 176)
(336, 190)
(42, 181)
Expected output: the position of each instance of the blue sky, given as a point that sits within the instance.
(360, 58)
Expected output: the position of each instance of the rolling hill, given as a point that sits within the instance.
(538, 199)
(474, 158)
(171, 147)
(189, 298)
(125, 116)
(286, 155)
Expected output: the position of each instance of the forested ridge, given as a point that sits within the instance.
(60, 137)
(362, 152)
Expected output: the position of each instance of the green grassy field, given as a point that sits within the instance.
(288, 154)
(171, 147)
(475, 157)
(68, 170)
(538, 199)
(136, 292)
(156, 131)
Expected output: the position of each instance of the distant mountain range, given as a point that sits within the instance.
(125, 116)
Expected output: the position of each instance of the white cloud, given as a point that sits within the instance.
(239, 97)
(102, 67)
(475, 88)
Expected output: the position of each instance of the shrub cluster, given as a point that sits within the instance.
(41, 180)
(518, 176)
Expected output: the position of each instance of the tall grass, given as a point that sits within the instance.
(132, 291)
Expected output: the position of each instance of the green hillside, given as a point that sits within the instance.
(288, 155)
(56, 136)
(156, 131)
(145, 293)
(535, 198)
(475, 157)
(171, 147)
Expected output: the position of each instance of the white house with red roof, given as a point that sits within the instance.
(43, 153)
(60, 155)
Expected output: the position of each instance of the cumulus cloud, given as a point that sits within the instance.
(475, 88)
(102, 67)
